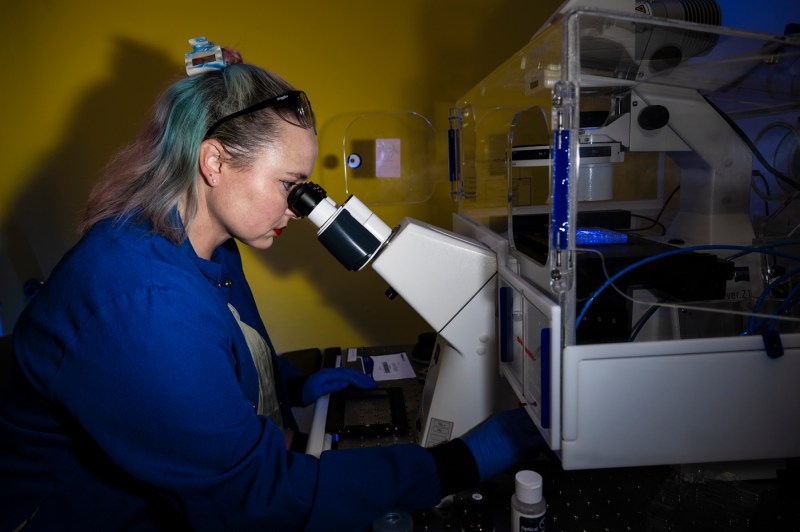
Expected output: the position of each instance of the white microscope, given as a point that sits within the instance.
(449, 279)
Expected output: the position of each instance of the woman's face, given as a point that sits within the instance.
(251, 204)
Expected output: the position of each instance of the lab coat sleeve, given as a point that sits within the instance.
(293, 381)
(287, 369)
(152, 379)
(357, 486)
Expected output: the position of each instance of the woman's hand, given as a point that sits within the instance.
(330, 380)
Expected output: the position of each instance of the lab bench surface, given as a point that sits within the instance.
(634, 499)
(645, 499)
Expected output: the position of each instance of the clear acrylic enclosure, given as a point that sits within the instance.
(390, 158)
(638, 178)
(645, 174)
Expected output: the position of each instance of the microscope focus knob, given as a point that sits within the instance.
(653, 117)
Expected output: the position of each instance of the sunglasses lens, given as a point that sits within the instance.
(304, 110)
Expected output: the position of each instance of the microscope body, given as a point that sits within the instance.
(451, 281)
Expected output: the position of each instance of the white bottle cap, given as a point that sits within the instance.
(528, 486)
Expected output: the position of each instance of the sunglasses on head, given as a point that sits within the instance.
(295, 100)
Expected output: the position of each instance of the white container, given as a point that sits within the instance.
(527, 504)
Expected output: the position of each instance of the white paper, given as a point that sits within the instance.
(387, 157)
(389, 367)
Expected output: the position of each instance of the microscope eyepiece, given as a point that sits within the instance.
(351, 232)
(305, 197)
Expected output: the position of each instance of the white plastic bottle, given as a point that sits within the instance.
(527, 504)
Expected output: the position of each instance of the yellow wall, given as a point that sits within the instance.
(80, 76)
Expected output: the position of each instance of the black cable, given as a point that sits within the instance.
(656, 220)
(653, 221)
(637, 328)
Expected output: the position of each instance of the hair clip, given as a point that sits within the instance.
(205, 56)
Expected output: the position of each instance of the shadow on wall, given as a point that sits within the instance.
(43, 218)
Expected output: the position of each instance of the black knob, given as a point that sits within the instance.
(653, 117)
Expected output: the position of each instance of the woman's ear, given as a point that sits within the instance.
(210, 161)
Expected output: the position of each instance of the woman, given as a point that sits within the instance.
(146, 393)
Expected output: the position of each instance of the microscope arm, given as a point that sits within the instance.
(449, 279)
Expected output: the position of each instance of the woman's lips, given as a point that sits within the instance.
(278, 230)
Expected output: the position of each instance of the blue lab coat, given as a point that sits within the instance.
(132, 407)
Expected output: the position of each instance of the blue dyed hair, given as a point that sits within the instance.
(158, 171)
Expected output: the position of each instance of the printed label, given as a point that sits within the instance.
(531, 524)
(439, 431)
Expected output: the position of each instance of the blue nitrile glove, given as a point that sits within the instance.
(330, 380)
(502, 441)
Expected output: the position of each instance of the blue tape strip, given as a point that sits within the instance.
(561, 165)
(452, 154)
(506, 310)
(544, 356)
